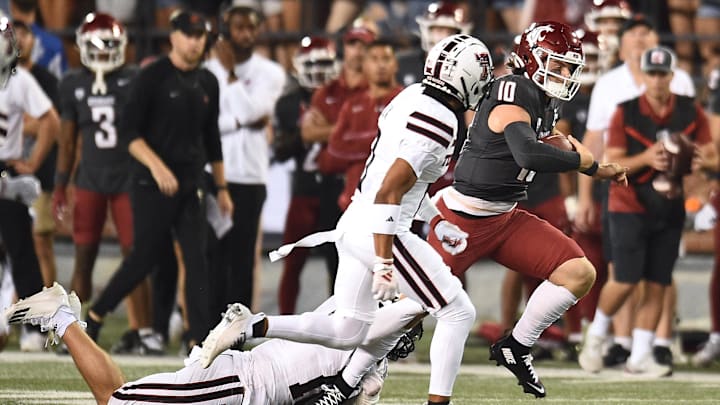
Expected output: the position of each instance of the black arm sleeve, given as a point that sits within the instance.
(213, 145)
(533, 155)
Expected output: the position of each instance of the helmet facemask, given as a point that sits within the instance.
(556, 85)
(8, 52)
(316, 69)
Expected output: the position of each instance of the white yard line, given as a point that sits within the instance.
(571, 373)
(173, 363)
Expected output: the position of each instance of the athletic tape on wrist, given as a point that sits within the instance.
(384, 218)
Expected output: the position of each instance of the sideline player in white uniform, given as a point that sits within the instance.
(276, 372)
(21, 94)
(417, 132)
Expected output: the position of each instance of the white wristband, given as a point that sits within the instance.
(384, 218)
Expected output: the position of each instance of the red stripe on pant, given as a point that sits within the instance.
(301, 222)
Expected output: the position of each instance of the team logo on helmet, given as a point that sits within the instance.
(537, 34)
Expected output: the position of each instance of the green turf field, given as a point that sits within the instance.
(46, 378)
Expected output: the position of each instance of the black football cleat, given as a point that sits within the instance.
(515, 357)
(329, 395)
(616, 356)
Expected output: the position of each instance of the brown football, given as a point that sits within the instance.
(558, 140)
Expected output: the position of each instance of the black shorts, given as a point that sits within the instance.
(642, 248)
(605, 222)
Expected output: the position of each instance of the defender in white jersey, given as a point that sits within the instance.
(417, 131)
(277, 372)
(20, 94)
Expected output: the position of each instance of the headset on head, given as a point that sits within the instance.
(223, 17)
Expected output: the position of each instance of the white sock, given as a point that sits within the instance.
(454, 322)
(384, 333)
(575, 337)
(600, 324)
(63, 318)
(642, 345)
(662, 342)
(545, 306)
(624, 341)
(715, 337)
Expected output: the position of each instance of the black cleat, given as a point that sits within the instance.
(329, 395)
(515, 357)
(128, 343)
(93, 329)
(616, 356)
(663, 355)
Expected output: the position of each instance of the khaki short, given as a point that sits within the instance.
(43, 219)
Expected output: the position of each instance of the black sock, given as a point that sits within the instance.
(439, 403)
(517, 344)
(259, 328)
(344, 387)
(93, 328)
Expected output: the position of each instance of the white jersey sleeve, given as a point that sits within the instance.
(418, 129)
(32, 99)
(21, 95)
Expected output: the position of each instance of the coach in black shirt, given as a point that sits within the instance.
(172, 118)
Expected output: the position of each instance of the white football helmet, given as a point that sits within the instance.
(8, 51)
(460, 65)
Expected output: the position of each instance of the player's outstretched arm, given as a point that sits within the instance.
(385, 215)
(98, 370)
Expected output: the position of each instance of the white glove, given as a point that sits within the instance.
(24, 188)
(453, 239)
(705, 218)
(384, 286)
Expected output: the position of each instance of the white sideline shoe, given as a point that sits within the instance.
(229, 332)
(709, 352)
(590, 358)
(648, 367)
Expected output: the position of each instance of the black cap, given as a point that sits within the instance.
(658, 59)
(189, 23)
(634, 21)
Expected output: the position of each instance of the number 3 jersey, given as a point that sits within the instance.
(104, 161)
(486, 168)
(420, 130)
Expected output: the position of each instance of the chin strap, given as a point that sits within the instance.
(99, 86)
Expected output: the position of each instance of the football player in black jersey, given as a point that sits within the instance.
(499, 159)
(91, 101)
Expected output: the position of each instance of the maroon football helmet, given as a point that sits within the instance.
(444, 14)
(544, 43)
(591, 50)
(8, 51)
(607, 9)
(102, 40)
(316, 62)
